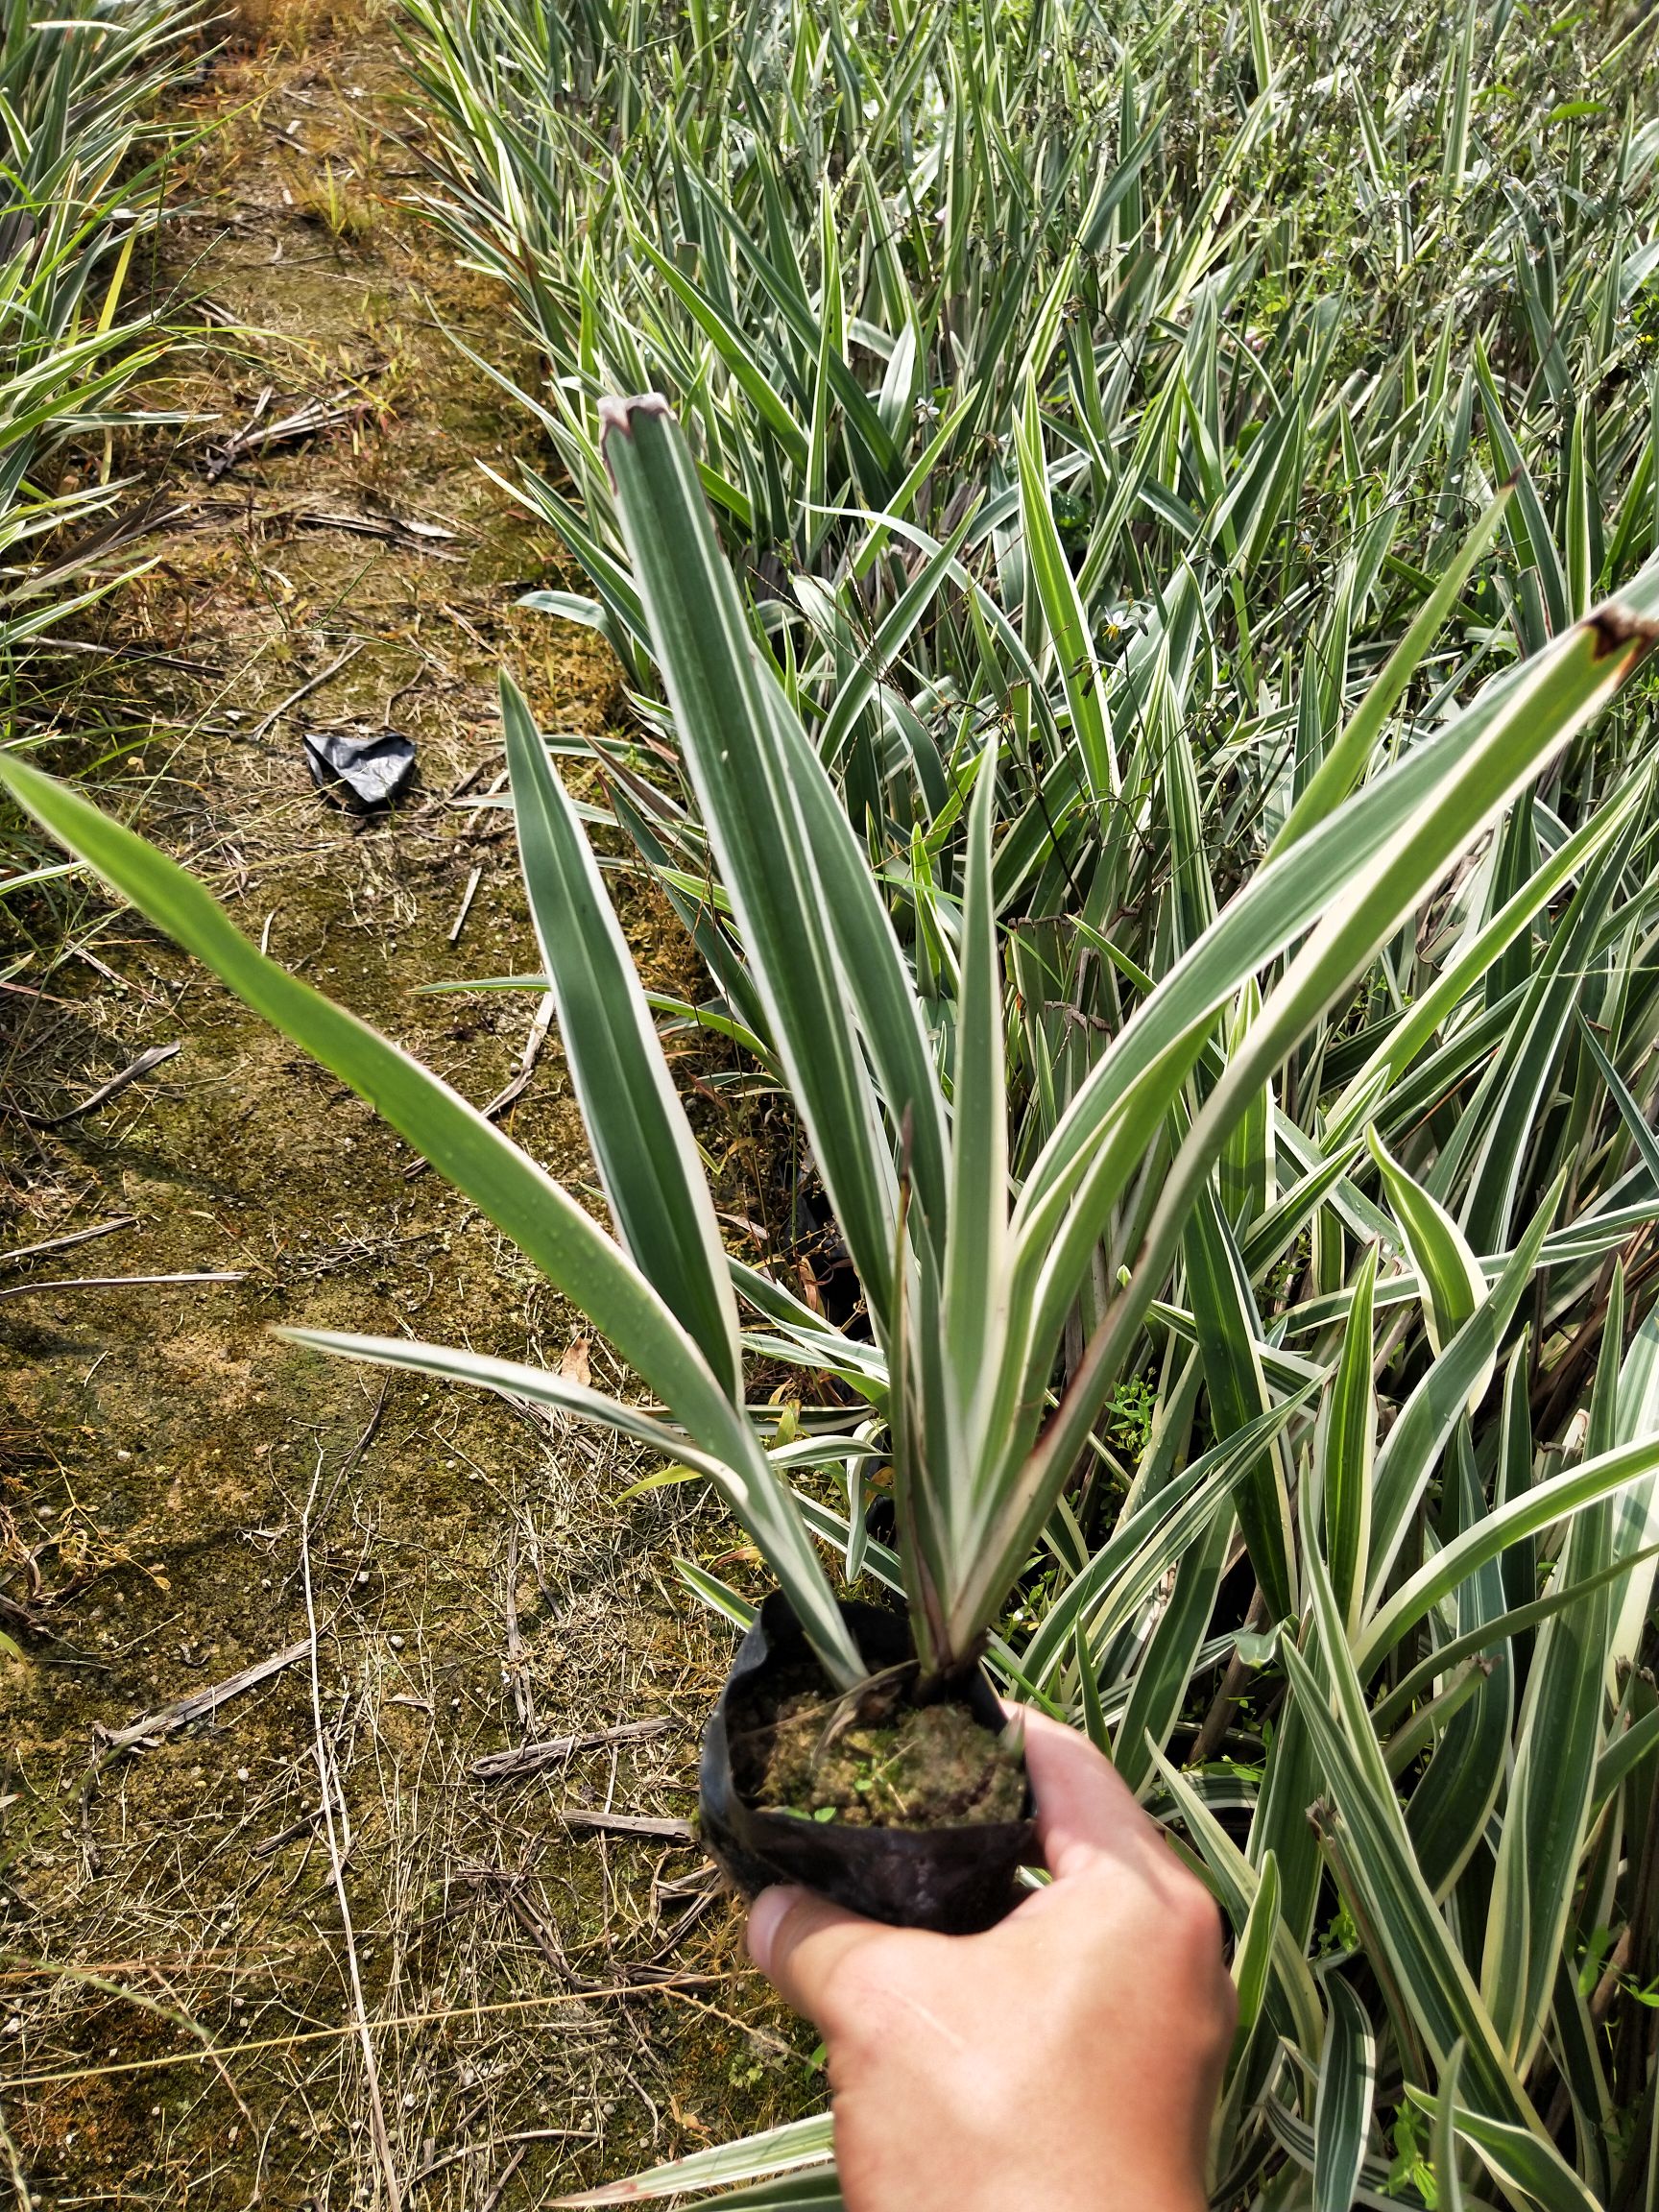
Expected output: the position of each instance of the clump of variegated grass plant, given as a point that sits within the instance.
(1344, 410)
(1124, 383)
(77, 98)
(969, 1286)
(1408, 1963)
(82, 164)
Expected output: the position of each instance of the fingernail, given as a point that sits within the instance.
(765, 1917)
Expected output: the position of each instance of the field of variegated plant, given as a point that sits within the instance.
(1127, 788)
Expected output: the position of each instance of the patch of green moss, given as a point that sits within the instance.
(932, 1767)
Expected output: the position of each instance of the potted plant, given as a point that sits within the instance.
(862, 1750)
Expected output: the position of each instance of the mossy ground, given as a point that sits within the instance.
(180, 1495)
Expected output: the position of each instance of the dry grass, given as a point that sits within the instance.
(205, 1939)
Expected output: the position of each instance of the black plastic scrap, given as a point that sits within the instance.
(360, 772)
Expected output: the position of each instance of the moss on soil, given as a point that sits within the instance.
(912, 1766)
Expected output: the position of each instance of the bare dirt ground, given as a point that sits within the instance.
(294, 1948)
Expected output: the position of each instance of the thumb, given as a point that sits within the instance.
(799, 1939)
(1085, 1810)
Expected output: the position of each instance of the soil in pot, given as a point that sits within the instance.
(872, 1760)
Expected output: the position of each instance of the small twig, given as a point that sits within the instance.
(518, 1669)
(472, 821)
(269, 1846)
(353, 1458)
(589, 1993)
(306, 422)
(467, 898)
(61, 1243)
(499, 2143)
(1612, 1974)
(521, 1082)
(625, 1824)
(181, 2018)
(528, 1918)
(1225, 1702)
(119, 1282)
(396, 527)
(456, 790)
(199, 1704)
(683, 1926)
(154, 1726)
(313, 684)
(507, 2172)
(14, 2163)
(173, 660)
(333, 1799)
(152, 1058)
(531, 1758)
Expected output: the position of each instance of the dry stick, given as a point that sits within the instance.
(625, 1824)
(507, 2172)
(683, 1926)
(499, 2143)
(173, 660)
(61, 1243)
(518, 1669)
(314, 684)
(531, 1921)
(426, 535)
(118, 1282)
(153, 1725)
(19, 2178)
(1225, 1703)
(328, 1783)
(353, 1456)
(467, 898)
(101, 1097)
(310, 418)
(184, 2019)
(531, 1758)
(521, 1082)
(199, 1704)
(468, 827)
(269, 1846)
(457, 790)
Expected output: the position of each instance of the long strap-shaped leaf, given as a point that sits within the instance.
(1455, 1381)
(754, 789)
(1410, 1936)
(537, 1385)
(1401, 1044)
(1556, 1499)
(797, 2144)
(1350, 755)
(641, 1140)
(1343, 2105)
(521, 1197)
(976, 1304)
(1551, 1785)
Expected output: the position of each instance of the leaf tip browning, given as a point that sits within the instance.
(1616, 629)
(616, 411)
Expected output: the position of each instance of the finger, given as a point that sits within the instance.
(798, 1940)
(1085, 1809)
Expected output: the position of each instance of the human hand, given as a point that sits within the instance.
(1069, 2060)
